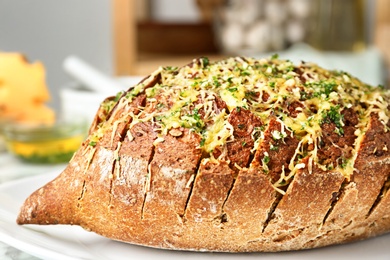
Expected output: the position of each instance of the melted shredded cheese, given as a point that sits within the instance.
(188, 96)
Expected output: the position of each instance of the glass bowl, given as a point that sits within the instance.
(54, 143)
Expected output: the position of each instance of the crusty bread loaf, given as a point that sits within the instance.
(238, 155)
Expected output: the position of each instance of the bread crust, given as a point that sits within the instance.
(149, 177)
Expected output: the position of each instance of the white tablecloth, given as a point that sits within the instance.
(11, 169)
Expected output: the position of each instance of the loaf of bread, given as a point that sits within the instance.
(237, 155)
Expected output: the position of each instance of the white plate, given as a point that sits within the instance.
(72, 242)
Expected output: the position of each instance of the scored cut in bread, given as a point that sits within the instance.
(237, 155)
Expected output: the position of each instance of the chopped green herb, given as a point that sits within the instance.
(266, 159)
(323, 88)
(304, 95)
(118, 95)
(274, 148)
(216, 81)
(171, 68)
(344, 163)
(249, 94)
(277, 135)
(196, 114)
(245, 73)
(202, 142)
(205, 62)
(334, 116)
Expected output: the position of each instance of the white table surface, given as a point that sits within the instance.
(11, 169)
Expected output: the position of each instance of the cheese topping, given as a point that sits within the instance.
(300, 97)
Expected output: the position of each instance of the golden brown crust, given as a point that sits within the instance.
(211, 187)
(171, 173)
(144, 176)
(290, 225)
(359, 195)
(252, 190)
(61, 207)
(122, 220)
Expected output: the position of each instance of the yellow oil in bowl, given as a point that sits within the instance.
(45, 144)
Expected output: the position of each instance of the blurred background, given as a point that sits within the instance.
(133, 37)
(60, 59)
(92, 49)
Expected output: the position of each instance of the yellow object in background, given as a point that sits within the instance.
(54, 143)
(48, 151)
(31, 130)
(23, 91)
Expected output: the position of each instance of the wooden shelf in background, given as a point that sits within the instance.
(124, 34)
(140, 47)
(175, 38)
(382, 32)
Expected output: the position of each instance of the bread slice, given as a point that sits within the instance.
(238, 155)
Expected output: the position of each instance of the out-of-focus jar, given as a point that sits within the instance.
(338, 25)
(256, 26)
(45, 143)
